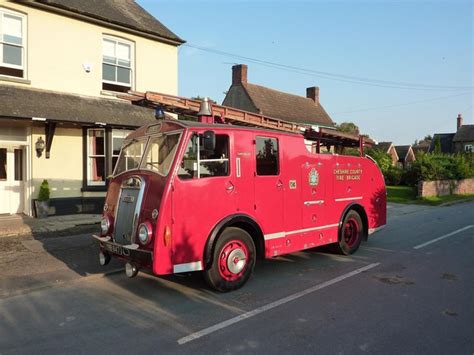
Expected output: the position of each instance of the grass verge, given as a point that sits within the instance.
(406, 194)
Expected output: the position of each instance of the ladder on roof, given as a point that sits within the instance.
(225, 114)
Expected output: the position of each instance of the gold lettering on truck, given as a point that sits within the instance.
(347, 174)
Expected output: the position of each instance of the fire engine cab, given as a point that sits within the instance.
(215, 194)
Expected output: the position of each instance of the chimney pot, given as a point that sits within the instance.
(313, 94)
(459, 121)
(239, 74)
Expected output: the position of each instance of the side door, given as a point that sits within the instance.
(11, 180)
(269, 191)
(203, 194)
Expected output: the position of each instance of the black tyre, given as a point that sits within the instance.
(351, 234)
(233, 260)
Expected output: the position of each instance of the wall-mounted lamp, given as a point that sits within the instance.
(39, 146)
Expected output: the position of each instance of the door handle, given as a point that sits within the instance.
(230, 187)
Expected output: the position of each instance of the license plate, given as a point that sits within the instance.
(117, 249)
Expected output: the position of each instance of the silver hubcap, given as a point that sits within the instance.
(236, 261)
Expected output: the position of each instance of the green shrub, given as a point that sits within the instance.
(437, 166)
(393, 176)
(383, 159)
(43, 194)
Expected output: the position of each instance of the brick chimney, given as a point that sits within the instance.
(239, 74)
(313, 93)
(459, 122)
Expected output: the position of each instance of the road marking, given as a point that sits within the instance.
(443, 237)
(272, 305)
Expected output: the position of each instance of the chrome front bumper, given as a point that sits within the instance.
(128, 252)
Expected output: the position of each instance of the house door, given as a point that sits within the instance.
(12, 160)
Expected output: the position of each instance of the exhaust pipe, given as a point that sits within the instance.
(131, 270)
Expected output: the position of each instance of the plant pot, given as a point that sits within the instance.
(42, 208)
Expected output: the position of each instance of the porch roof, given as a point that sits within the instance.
(20, 102)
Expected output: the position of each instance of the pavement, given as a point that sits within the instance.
(21, 225)
(407, 290)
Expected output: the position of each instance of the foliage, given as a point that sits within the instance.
(43, 194)
(393, 175)
(383, 159)
(437, 145)
(348, 127)
(430, 167)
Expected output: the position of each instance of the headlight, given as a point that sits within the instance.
(104, 225)
(144, 233)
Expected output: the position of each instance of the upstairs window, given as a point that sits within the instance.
(117, 64)
(12, 43)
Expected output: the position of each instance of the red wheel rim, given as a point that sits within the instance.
(233, 259)
(351, 232)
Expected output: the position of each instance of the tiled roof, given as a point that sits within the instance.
(446, 140)
(402, 151)
(465, 134)
(287, 106)
(26, 103)
(384, 146)
(277, 104)
(119, 12)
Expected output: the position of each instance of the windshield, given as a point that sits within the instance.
(160, 153)
(130, 156)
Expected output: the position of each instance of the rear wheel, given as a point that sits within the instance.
(232, 262)
(350, 234)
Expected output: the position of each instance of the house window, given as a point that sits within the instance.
(469, 148)
(267, 156)
(117, 63)
(12, 43)
(96, 156)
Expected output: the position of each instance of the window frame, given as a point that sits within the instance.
(91, 182)
(114, 134)
(122, 41)
(278, 155)
(199, 160)
(24, 45)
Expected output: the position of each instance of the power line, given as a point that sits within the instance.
(402, 104)
(332, 76)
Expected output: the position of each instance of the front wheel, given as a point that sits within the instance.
(350, 234)
(233, 260)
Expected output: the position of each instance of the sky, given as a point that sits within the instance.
(400, 70)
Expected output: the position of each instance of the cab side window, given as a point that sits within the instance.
(267, 156)
(201, 163)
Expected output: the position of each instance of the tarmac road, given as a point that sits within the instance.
(408, 290)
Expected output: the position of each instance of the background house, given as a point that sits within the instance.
(459, 142)
(406, 156)
(259, 99)
(61, 64)
(388, 148)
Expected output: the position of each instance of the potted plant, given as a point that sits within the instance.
(42, 203)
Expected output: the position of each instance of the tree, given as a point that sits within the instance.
(437, 146)
(348, 127)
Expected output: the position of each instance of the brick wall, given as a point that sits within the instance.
(445, 187)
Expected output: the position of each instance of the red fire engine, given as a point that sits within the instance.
(215, 194)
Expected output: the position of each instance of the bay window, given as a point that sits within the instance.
(101, 151)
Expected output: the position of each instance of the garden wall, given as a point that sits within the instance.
(445, 187)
